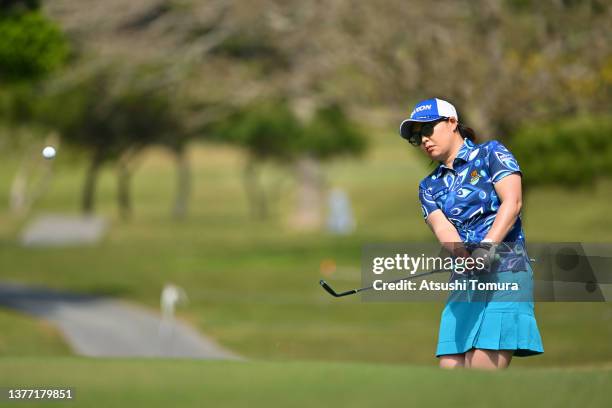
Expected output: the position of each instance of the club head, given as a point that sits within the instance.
(328, 288)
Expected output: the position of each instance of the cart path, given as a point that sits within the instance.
(106, 327)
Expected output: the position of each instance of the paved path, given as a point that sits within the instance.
(103, 327)
(64, 230)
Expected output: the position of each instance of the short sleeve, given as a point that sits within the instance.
(501, 162)
(428, 204)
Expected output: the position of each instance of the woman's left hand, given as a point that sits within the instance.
(484, 256)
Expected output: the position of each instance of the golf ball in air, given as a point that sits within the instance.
(48, 152)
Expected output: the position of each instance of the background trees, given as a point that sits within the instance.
(112, 119)
(31, 47)
(182, 68)
(270, 131)
(571, 152)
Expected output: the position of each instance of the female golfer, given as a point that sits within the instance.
(473, 197)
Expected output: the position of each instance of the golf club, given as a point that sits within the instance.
(332, 292)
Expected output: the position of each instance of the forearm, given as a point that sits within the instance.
(447, 235)
(506, 216)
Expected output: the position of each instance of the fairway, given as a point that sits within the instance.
(253, 285)
(162, 383)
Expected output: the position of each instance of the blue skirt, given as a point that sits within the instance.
(493, 320)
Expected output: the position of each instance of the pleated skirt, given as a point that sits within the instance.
(493, 320)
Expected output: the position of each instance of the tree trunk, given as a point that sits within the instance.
(183, 186)
(308, 211)
(89, 187)
(18, 194)
(276, 191)
(255, 193)
(124, 201)
(126, 165)
(32, 179)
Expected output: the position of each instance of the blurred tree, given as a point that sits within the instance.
(267, 130)
(82, 114)
(330, 133)
(200, 120)
(327, 135)
(570, 152)
(11, 5)
(113, 122)
(23, 138)
(31, 47)
(503, 63)
(143, 119)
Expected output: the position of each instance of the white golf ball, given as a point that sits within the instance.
(48, 152)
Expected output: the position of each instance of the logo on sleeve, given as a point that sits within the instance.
(507, 160)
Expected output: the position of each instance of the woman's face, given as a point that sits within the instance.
(441, 142)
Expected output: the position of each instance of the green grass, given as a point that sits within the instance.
(253, 284)
(22, 336)
(191, 383)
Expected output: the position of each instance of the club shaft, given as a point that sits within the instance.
(332, 292)
(402, 279)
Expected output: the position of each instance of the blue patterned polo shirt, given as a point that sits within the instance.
(465, 193)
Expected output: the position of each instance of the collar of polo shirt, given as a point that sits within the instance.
(462, 154)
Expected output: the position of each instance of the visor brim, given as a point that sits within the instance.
(406, 125)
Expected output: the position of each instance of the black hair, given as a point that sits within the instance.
(466, 132)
